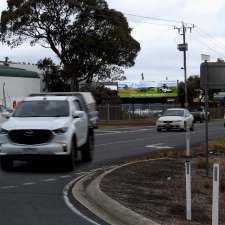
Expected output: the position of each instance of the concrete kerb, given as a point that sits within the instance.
(105, 207)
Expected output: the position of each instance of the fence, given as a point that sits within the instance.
(130, 111)
(109, 112)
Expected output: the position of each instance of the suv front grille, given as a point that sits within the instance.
(30, 137)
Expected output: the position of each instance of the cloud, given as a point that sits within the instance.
(26, 53)
(207, 7)
(159, 56)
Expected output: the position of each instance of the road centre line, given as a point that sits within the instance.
(134, 140)
(124, 132)
(9, 187)
(65, 176)
(29, 183)
(49, 180)
(152, 139)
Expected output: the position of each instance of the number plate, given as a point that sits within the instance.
(30, 150)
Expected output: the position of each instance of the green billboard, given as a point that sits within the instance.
(143, 89)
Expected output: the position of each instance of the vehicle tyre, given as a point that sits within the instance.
(87, 151)
(71, 158)
(6, 164)
(192, 127)
(185, 127)
(159, 129)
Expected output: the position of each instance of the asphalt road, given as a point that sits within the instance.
(32, 194)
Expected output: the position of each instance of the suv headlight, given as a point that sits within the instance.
(3, 131)
(61, 130)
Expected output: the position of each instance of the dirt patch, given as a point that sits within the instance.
(156, 189)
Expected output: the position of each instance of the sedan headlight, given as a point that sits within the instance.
(61, 130)
(3, 131)
(178, 121)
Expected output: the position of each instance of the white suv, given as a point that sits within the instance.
(46, 126)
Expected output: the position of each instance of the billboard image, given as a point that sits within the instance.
(147, 89)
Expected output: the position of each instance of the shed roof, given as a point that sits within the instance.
(6, 71)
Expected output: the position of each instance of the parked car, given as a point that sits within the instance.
(49, 126)
(198, 114)
(175, 118)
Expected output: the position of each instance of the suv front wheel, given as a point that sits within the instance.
(71, 158)
(87, 151)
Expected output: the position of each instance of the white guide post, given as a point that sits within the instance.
(188, 189)
(188, 134)
(215, 201)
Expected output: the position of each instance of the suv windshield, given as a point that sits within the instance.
(42, 108)
(173, 113)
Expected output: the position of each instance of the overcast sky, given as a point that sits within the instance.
(159, 57)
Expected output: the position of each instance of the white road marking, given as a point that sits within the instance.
(9, 187)
(83, 173)
(29, 183)
(71, 206)
(123, 132)
(49, 180)
(159, 146)
(65, 176)
(150, 138)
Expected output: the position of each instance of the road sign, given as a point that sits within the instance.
(212, 75)
(205, 57)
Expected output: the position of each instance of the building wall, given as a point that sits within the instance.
(16, 88)
(30, 67)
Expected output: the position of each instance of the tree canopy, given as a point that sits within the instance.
(53, 76)
(193, 87)
(89, 38)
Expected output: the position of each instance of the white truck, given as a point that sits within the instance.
(50, 125)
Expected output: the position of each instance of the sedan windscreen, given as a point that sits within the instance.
(43, 108)
(173, 113)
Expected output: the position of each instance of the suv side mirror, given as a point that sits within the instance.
(77, 114)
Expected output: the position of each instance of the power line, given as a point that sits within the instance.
(152, 18)
(209, 47)
(210, 36)
(160, 24)
(211, 42)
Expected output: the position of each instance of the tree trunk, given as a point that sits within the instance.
(74, 85)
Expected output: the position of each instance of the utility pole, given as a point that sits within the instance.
(184, 48)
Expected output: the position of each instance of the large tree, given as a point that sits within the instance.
(193, 88)
(89, 38)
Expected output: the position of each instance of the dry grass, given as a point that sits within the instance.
(160, 199)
